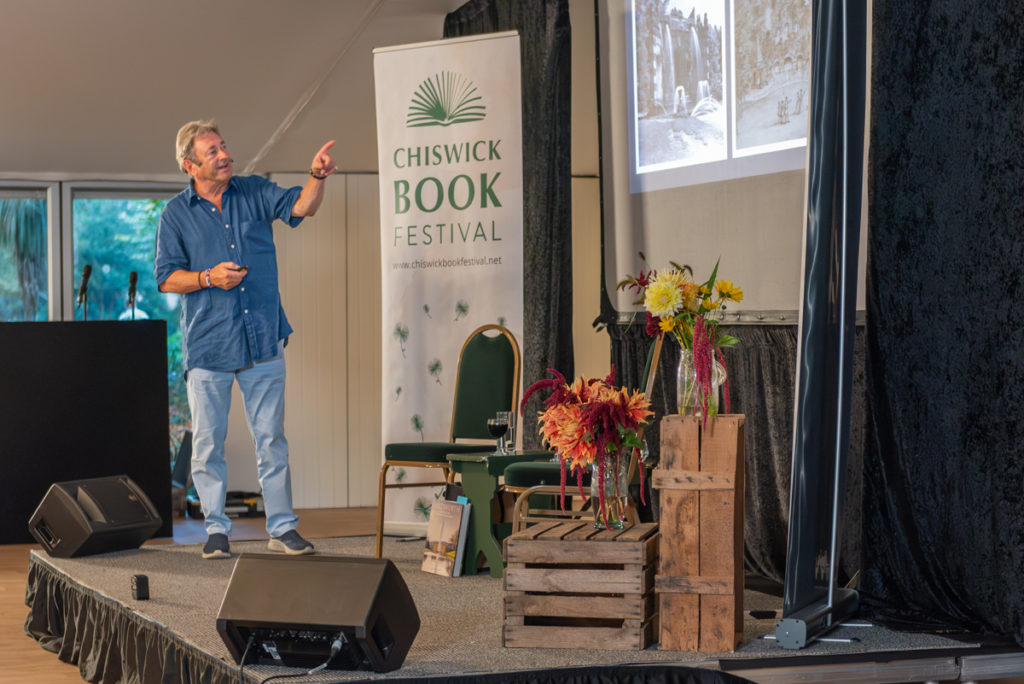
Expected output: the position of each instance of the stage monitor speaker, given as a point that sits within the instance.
(95, 515)
(304, 611)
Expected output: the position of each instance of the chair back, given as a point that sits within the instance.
(487, 381)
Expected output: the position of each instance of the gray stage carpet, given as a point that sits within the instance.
(461, 617)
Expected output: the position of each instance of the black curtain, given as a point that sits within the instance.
(944, 473)
(544, 35)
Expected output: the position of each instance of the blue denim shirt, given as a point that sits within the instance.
(225, 330)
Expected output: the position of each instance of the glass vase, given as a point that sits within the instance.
(610, 509)
(688, 392)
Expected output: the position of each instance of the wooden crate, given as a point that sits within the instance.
(568, 585)
(700, 576)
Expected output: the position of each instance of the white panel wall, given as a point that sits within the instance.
(329, 279)
(592, 349)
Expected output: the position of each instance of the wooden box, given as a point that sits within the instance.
(568, 585)
(700, 575)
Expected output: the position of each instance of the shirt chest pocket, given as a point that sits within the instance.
(257, 238)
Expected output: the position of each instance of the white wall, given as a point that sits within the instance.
(329, 279)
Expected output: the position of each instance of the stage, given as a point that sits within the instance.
(82, 609)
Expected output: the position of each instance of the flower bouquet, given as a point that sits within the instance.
(690, 312)
(591, 424)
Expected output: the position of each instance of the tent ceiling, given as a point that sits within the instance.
(98, 89)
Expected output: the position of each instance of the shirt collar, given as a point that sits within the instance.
(193, 197)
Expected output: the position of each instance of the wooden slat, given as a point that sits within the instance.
(721, 552)
(533, 531)
(631, 606)
(680, 557)
(598, 638)
(638, 532)
(561, 530)
(681, 631)
(577, 580)
(540, 551)
(693, 585)
(662, 478)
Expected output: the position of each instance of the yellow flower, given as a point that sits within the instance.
(689, 291)
(663, 297)
(709, 305)
(726, 290)
(666, 324)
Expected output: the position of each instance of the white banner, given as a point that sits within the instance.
(449, 140)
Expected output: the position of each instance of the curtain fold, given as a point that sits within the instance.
(108, 642)
(544, 33)
(943, 477)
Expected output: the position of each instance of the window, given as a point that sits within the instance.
(24, 286)
(114, 232)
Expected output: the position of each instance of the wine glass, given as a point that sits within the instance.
(497, 429)
(510, 438)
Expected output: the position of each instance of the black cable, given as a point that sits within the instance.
(245, 654)
(336, 646)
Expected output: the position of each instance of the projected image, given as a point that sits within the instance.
(678, 61)
(772, 56)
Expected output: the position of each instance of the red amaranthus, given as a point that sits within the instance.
(588, 422)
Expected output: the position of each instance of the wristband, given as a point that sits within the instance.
(206, 274)
(313, 174)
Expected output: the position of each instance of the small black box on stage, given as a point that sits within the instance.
(290, 610)
(96, 515)
(140, 587)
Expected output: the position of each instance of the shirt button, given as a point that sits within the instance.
(227, 225)
(246, 311)
(243, 289)
(232, 246)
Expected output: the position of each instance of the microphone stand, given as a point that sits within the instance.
(133, 279)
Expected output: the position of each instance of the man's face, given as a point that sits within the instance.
(210, 159)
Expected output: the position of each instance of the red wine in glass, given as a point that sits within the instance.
(497, 428)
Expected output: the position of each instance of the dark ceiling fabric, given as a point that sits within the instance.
(944, 472)
(544, 34)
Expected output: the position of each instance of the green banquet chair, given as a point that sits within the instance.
(486, 381)
(543, 478)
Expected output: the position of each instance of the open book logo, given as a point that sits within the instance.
(447, 98)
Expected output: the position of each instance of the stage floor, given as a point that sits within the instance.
(461, 626)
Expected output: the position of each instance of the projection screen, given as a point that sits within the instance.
(703, 118)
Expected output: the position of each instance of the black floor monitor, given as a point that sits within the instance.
(303, 611)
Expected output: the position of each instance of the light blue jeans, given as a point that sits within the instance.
(209, 397)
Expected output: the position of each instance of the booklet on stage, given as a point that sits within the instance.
(446, 537)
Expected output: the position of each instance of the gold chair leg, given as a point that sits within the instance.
(380, 509)
(518, 512)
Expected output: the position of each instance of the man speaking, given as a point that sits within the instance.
(215, 247)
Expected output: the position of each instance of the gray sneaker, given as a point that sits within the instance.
(291, 543)
(217, 546)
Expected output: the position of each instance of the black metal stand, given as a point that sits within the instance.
(812, 602)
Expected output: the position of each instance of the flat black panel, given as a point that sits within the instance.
(96, 515)
(293, 608)
(82, 400)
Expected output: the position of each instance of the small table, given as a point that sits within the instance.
(480, 472)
